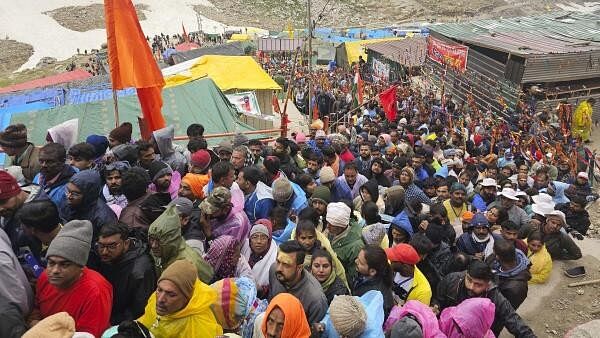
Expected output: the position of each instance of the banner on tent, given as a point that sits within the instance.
(452, 55)
(245, 102)
(381, 71)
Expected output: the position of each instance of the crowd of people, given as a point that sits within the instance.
(422, 226)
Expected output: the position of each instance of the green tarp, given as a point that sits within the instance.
(199, 101)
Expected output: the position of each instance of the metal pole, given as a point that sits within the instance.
(310, 89)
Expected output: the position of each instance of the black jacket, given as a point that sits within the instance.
(133, 279)
(579, 221)
(363, 285)
(561, 246)
(337, 288)
(12, 324)
(515, 288)
(451, 291)
(436, 265)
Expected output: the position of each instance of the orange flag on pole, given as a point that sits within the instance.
(131, 61)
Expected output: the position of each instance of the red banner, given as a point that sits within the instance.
(452, 55)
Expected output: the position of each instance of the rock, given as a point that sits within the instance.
(46, 61)
(580, 292)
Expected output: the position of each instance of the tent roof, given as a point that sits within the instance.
(354, 49)
(77, 74)
(194, 102)
(183, 47)
(228, 72)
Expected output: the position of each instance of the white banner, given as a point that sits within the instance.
(245, 103)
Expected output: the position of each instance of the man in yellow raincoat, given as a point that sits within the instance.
(582, 120)
(180, 307)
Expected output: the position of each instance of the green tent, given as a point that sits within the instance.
(199, 101)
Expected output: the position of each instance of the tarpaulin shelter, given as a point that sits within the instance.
(198, 101)
(349, 51)
(230, 73)
(77, 74)
(184, 47)
(240, 37)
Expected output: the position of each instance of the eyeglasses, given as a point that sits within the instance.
(110, 247)
(72, 193)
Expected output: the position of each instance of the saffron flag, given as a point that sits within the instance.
(275, 103)
(357, 88)
(387, 99)
(131, 61)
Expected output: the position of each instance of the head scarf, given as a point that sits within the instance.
(196, 183)
(220, 257)
(235, 299)
(263, 222)
(296, 324)
(411, 172)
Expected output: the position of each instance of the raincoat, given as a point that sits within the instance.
(472, 318)
(236, 224)
(167, 229)
(422, 313)
(582, 121)
(372, 301)
(164, 140)
(541, 265)
(196, 319)
(346, 246)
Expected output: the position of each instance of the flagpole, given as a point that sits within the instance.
(310, 85)
(116, 103)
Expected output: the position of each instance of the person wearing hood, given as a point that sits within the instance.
(284, 318)
(54, 172)
(181, 305)
(65, 133)
(125, 263)
(167, 245)
(400, 230)
(164, 179)
(345, 236)
(378, 167)
(471, 318)
(13, 141)
(260, 250)
(413, 320)
(113, 178)
(511, 267)
(541, 262)
(162, 141)
(369, 192)
(477, 282)
(411, 191)
(478, 242)
(83, 201)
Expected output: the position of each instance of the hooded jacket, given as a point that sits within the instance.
(196, 319)
(513, 283)
(92, 207)
(452, 291)
(56, 189)
(167, 229)
(133, 280)
(471, 318)
(347, 248)
(423, 314)
(164, 140)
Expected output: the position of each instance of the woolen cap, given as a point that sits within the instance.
(282, 190)
(183, 274)
(8, 185)
(321, 193)
(348, 316)
(73, 242)
(14, 136)
(200, 159)
(122, 133)
(158, 169)
(326, 175)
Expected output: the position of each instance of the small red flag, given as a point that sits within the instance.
(387, 99)
(186, 38)
(131, 61)
(275, 103)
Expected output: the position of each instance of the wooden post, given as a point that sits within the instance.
(116, 105)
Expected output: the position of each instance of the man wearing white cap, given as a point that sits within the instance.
(560, 245)
(345, 236)
(507, 200)
(486, 195)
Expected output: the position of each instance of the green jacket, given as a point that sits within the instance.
(347, 246)
(167, 230)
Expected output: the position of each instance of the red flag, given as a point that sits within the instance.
(358, 82)
(131, 61)
(387, 99)
(275, 103)
(186, 37)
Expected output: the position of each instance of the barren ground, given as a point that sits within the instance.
(86, 18)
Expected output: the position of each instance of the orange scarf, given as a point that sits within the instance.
(295, 324)
(196, 183)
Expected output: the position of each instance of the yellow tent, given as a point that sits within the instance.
(354, 49)
(239, 37)
(228, 72)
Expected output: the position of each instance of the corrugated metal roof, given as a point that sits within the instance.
(556, 33)
(409, 52)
